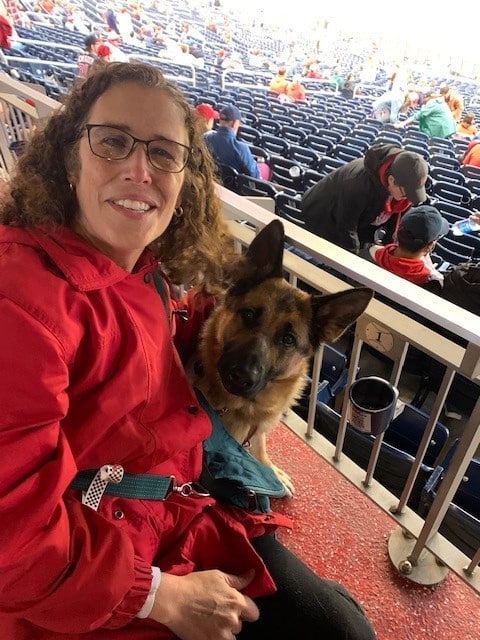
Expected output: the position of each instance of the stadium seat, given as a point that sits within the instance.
(275, 145)
(328, 164)
(447, 175)
(471, 171)
(293, 134)
(310, 178)
(461, 524)
(305, 156)
(346, 152)
(393, 465)
(322, 145)
(268, 125)
(456, 193)
(406, 431)
(286, 173)
(229, 176)
(287, 206)
(248, 186)
(441, 160)
(249, 134)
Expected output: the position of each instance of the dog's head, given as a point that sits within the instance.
(265, 330)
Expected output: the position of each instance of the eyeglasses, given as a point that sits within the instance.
(113, 143)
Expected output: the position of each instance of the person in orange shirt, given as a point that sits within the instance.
(295, 90)
(472, 154)
(454, 100)
(466, 126)
(279, 83)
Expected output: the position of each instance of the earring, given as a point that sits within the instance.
(178, 212)
(72, 187)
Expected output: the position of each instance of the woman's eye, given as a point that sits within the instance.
(115, 142)
(160, 152)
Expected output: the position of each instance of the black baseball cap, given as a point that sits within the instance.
(420, 226)
(410, 172)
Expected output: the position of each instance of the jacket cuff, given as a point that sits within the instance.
(136, 598)
(148, 605)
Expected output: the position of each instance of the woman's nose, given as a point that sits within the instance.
(137, 165)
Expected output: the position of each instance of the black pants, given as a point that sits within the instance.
(305, 606)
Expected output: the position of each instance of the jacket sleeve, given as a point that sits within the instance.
(63, 566)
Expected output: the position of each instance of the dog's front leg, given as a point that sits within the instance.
(258, 448)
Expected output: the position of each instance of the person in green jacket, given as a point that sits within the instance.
(434, 117)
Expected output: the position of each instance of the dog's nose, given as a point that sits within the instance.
(242, 375)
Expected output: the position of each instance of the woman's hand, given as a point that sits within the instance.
(204, 605)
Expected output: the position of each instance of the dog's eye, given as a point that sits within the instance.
(289, 340)
(249, 316)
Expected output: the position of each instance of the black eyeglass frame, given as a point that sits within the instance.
(188, 150)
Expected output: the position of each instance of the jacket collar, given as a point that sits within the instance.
(84, 267)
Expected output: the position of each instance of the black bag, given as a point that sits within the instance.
(462, 286)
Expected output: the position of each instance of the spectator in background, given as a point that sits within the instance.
(295, 90)
(348, 205)
(87, 58)
(6, 32)
(225, 147)
(434, 117)
(111, 18)
(389, 105)
(466, 127)
(208, 113)
(472, 154)
(409, 257)
(279, 83)
(454, 101)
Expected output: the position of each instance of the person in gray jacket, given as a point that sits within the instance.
(349, 204)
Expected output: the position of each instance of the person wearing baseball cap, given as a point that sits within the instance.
(409, 257)
(224, 146)
(208, 113)
(355, 203)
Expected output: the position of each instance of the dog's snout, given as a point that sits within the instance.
(242, 373)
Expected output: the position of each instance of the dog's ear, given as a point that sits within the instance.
(262, 260)
(266, 250)
(333, 314)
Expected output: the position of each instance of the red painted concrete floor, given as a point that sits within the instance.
(342, 535)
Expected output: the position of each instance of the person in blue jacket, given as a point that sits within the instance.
(224, 146)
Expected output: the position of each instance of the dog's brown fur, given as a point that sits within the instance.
(255, 348)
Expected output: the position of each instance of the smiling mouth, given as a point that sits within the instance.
(134, 205)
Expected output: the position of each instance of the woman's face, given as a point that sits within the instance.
(126, 204)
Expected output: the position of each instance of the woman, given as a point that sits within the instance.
(118, 179)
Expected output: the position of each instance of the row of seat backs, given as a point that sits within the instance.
(461, 524)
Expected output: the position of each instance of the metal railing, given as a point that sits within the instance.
(416, 545)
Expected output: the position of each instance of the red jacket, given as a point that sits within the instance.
(91, 376)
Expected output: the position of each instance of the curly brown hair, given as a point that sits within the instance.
(195, 248)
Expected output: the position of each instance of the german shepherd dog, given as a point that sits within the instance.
(255, 348)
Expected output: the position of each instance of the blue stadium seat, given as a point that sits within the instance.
(461, 524)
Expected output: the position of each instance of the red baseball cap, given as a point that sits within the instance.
(207, 111)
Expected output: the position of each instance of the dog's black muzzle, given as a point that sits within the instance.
(242, 370)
